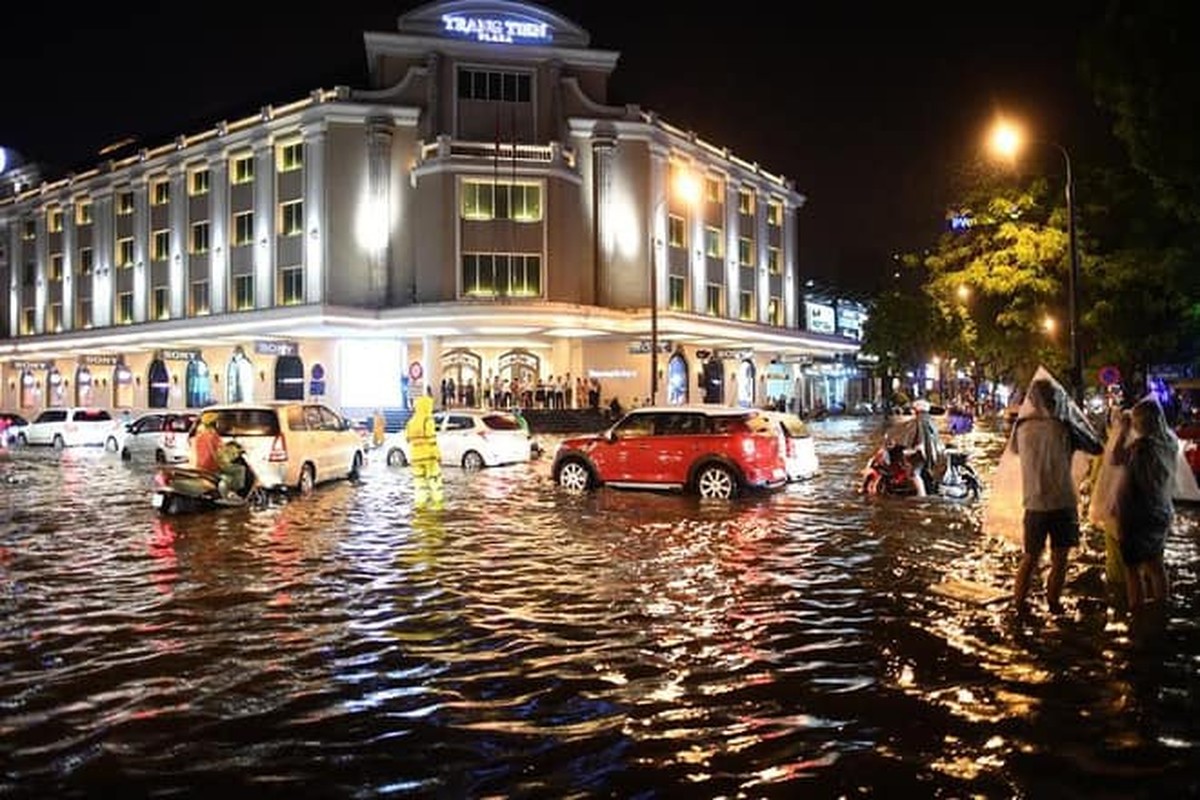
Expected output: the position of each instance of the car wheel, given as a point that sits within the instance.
(355, 466)
(307, 481)
(471, 460)
(21, 440)
(126, 455)
(257, 498)
(574, 476)
(716, 482)
(159, 456)
(110, 444)
(395, 458)
(58, 442)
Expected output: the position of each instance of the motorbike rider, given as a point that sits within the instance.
(923, 447)
(212, 454)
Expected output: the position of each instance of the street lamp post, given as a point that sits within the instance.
(1006, 140)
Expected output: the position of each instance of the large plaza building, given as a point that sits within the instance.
(478, 215)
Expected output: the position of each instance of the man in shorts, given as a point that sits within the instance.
(1045, 438)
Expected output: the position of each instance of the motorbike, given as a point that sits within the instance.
(890, 471)
(183, 489)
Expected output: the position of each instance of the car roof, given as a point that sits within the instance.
(697, 408)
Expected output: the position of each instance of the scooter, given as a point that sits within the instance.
(182, 489)
(889, 471)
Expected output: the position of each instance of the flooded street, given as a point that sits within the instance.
(531, 643)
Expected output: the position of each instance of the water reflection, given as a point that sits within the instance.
(523, 641)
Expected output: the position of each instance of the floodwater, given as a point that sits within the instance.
(523, 642)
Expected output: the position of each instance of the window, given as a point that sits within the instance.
(501, 275)
(243, 228)
(713, 190)
(198, 299)
(83, 313)
(677, 292)
(773, 311)
(124, 203)
(715, 299)
(746, 202)
(291, 285)
(290, 156)
(746, 305)
(521, 202)
(125, 252)
(160, 248)
(162, 303)
(83, 212)
(86, 261)
(774, 261)
(30, 277)
(56, 266)
(775, 213)
(54, 318)
(125, 308)
(291, 218)
(28, 320)
(199, 243)
(54, 220)
(676, 231)
(243, 169)
(508, 87)
(29, 231)
(198, 181)
(745, 251)
(160, 192)
(243, 292)
(712, 242)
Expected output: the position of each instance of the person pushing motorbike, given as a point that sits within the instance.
(923, 447)
(212, 454)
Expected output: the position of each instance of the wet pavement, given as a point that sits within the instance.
(527, 642)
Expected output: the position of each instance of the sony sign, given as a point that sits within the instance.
(505, 30)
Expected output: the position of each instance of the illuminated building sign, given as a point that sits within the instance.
(264, 347)
(99, 360)
(504, 30)
(820, 317)
(179, 355)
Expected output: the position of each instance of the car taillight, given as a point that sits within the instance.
(278, 449)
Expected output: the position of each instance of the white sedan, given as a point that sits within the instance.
(471, 439)
(160, 436)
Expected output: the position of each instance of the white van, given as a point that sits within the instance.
(72, 427)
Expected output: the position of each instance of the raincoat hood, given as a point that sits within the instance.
(423, 406)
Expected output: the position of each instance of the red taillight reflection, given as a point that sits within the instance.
(278, 449)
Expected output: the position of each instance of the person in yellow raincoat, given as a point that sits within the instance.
(424, 454)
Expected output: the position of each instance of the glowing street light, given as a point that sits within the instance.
(1006, 140)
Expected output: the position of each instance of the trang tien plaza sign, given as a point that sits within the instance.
(505, 30)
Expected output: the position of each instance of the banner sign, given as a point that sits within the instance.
(642, 347)
(273, 348)
(733, 355)
(179, 355)
(100, 361)
(31, 366)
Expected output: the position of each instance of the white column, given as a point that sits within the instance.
(70, 244)
(218, 208)
(177, 266)
(264, 224)
(315, 220)
(141, 235)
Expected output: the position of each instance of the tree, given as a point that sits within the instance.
(898, 333)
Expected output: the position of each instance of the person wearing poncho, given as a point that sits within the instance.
(424, 454)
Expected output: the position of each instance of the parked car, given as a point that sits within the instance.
(800, 454)
(161, 436)
(290, 444)
(713, 451)
(472, 439)
(11, 427)
(72, 427)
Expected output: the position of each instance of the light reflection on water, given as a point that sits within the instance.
(523, 641)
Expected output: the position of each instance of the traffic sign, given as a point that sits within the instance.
(1110, 375)
(415, 370)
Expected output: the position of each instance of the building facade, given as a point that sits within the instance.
(477, 216)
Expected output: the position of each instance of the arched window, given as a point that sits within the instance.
(122, 385)
(85, 394)
(745, 384)
(31, 393)
(56, 393)
(463, 367)
(239, 378)
(677, 380)
(198, 384)
(289, 378)
(159, 381)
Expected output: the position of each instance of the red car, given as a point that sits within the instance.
(713, 451)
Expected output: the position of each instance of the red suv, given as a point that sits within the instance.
(710, 450)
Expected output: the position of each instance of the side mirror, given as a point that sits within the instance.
(610, 435)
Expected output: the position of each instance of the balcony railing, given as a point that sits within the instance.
(504, 152)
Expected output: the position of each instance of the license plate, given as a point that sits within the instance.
(156, 500)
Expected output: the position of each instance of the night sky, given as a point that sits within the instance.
(868, 108)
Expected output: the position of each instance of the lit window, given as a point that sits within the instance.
(291, 218)
(774, 261)
(291, 156)
(243, 169)
(198, 299)
(746, 305)
(86, 261)
(124, 203)
(198, 181)
(243, 228)
(501, 275)
(56, 266)
(507, 87)
(125, 308)
(746, 202)
(28, 320)
(243, 292)
(677, 293)
(746, 251)
(161, 245)
(29, 232)
(775, 213)
(676, 231)
(713, 190)
(291, 285)
(773, 311)
(83, 212)
(160, 192)
(487, 200)
(125, 252)
(54, 318)
(715, 299)
(713, 242)
(54, 220)
(199, 242)
(83, 313)
(162, 303)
